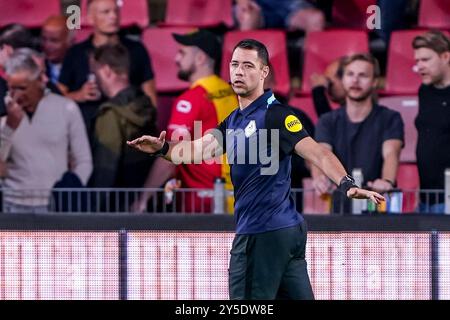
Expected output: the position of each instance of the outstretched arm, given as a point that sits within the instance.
(332, 167)
(205, 148)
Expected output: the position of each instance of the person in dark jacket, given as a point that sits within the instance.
(127, 114)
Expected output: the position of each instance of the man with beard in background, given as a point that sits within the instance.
(208, 101)
(362, 133)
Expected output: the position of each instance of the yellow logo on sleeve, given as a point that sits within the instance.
(293, 124)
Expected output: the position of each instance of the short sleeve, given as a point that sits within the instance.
(291, 129)
(394, 127)
(324, 130)
(146, 63)
(140, 64)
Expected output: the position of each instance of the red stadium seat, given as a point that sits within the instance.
(162, 48)
(275, 42)
(434, 14)
(408, 182)
(351, 13)
(400, 77)
(30, 13)
(312, 203)
(322, 48)
(132, 12)
(199, 13)
(305, 104)
(408, 107)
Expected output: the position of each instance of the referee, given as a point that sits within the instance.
(268, 252)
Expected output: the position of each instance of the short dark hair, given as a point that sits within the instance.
(367, 57)
(115, 56)
(259, 47)
(434, 40)
(16, 36)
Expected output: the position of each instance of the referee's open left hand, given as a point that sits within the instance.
(148, 144)
(358, 193)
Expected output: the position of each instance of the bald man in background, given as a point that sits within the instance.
(56, 39)
(77, 80)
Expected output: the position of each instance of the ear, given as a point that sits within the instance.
(200, 57)
(44, 79)
(375, 84)
(265, 72)
(446, 57)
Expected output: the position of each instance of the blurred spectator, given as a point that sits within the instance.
(41, 132)
(77, 79)
(16, 36)
(39, 59)
(393, 17)
(127, 114)
(208, 101)
(362, 134)
(432, 55)
(327, 86)
(56, 39)
(283, 14)
(12, 37)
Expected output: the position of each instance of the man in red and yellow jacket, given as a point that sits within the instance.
(207, 102)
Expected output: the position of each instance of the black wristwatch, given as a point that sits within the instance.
(163, 151)
(347, 182)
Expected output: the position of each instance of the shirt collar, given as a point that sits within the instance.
(266, 99)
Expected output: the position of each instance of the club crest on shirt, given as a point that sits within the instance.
(293, 124)
(250, 128)
(184, 106)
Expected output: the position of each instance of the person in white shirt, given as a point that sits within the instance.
(40, 135)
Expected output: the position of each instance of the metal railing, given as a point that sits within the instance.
(206, 201)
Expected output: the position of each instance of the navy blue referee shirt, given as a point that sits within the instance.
(263, 200)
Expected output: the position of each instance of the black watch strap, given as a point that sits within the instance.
(347, 182)
(163, 151)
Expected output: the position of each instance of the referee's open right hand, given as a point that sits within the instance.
(148, 144)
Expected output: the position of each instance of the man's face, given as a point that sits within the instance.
(55, 42)
(105, 16)
(431, 66)
(358, 80)
(185, 61)
(247, 72)
(25, 91)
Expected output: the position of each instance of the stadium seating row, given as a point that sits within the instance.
(400, 78)
(207, 13)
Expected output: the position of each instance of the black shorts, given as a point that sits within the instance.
(270, 265)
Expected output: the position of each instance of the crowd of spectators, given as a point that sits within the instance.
(67, 108)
